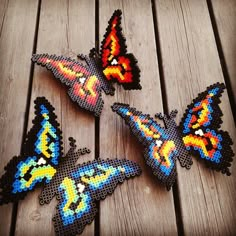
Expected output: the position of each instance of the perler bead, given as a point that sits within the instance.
(40, 156)
(78, 187)
(198, 134)
(86, 82)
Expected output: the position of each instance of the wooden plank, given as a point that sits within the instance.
(66, 28)
(16, 44)
(190, 64)
(140, 206)
(3, 10)
(225, 15)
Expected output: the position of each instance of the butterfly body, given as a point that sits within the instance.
(63, 170)
(198, 134)
(94, 63)
(86, 82)
(174, 133)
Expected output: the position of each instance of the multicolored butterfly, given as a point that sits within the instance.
(86, 82)
(197, 134)
(77, 186)
(41, 154)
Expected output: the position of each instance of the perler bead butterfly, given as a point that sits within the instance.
(77, 186)
(197, 134)
(86, 82)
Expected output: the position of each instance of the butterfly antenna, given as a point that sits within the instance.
(163, 117)
(83, 57)
(73, 156)
(72, 142)
(73, 146)
(159, 116)
(173, 114)
(83, 151)
(93, 53)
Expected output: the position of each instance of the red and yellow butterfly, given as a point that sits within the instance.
(86, 82)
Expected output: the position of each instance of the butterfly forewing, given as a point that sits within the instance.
(160, 151)
(41, 154)
(116, 63)
(201, 135)
(84, 86)
(83, 186)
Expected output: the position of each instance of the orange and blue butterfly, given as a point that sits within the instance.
(77, 186)
(197, 134)
(86, 82)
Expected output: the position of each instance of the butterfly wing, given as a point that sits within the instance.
(64, 169)
(160, 151)
(40, 156)
(84, 86)
(201, 135)
(117, 64)
(86, 183)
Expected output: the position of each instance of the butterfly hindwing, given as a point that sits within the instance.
(84, 86)
(41, 152)
(160, 151)
(117, 64)
(201, 135)
(86, 184)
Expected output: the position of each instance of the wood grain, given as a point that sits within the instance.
(66, 28)
(3, 11)
(190, 64)
(16, 45)
(140, 206)
(225, 15)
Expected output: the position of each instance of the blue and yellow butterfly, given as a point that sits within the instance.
(198, 134)
(40, 157)
(77, 187)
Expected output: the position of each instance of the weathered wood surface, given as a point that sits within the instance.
(138, 206)
(224, 12)
(60, 32)
(204, 201)
(17, 28)
(191, 63)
